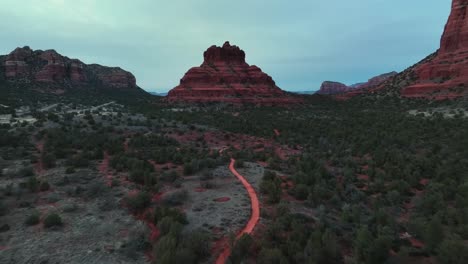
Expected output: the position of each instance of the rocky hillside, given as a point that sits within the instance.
(49, 67)
(446, 75)
(224, 76)
(441, 75)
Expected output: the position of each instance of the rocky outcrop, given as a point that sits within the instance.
(16, 65)
(224, 76)
(446, 75)
(329, 88)
(52, 68)
(375, 81)
(113, 76)
(336, 88)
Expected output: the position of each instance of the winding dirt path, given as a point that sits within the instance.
(255, 216)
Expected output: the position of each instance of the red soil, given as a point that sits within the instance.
(424, 182)
(363, 177)
(277, 133)
(222, 199)
(157, 197)
(39, 166)
(200, 190)
(104, 169)
(125, 144)
(416, 243)
(254, 218)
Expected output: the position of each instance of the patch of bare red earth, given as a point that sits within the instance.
(222, 199)
(254, 218)
(39, 166)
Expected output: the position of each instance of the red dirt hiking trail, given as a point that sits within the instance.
(255, 216)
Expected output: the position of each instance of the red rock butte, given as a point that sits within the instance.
(446, 75)
(225, 77)
(52, 68)
(329, 87)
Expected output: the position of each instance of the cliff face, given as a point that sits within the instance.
(445, 76)
(51, 67)
(224, 76)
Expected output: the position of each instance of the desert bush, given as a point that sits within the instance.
(169, 176)
(48, 160)
(69, 207)
(32, 184)
(143, 177)
(138, 202)
(271, 186)
(241, 249)
(26, 172)
(52, 220)
(207, 175)
(32, 219)
(169, 225)
(3, 208)
(175, 198)
(44, 186)
(95, 189)
(301, 192)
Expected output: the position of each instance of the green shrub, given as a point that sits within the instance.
(3, 209)
(33, 219)
(301, 192)
(52, 220)
(139, 202)
(44, 186)
(33, 184)
(48, 160)
(26, 172)
(176, 198)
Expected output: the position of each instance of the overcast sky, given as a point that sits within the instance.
(300, 43)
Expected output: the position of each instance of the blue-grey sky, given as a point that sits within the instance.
(300, 43)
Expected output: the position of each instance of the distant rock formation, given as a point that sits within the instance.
(51, 67)
(329, 88)
(224, 76)
(445, 76)
(375, 81)
(333, 88)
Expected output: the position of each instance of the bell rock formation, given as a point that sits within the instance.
(224, 76)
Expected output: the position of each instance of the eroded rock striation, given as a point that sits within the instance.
(50, 67)
(224, 76)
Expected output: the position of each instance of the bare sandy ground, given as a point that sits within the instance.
(96, 229)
